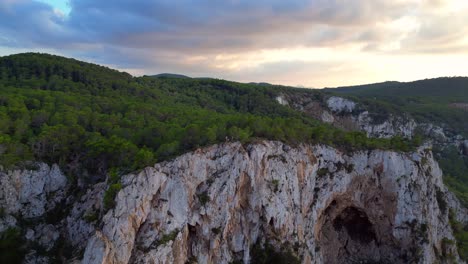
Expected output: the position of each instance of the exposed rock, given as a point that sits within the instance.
(435, 132)
(213, 204)
(339, 104)
(26, 198)
(30, 234)
(281, 100)
(6, 222)
(46, 236)
(97, 250)
(349, 115)
(390, 127)
(461, 212)
(33, 258)
(327, 117)
(30, 193)
(464, 147)
(80, 225)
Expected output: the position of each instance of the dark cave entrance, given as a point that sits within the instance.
(348, 234)
(357, 225)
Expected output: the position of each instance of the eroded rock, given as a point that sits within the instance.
(214, 204)
(340, 104)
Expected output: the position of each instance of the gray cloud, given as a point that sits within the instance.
(163, 34)
(181, 24)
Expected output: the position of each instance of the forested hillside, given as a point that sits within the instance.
(441, 100)
(89, 118)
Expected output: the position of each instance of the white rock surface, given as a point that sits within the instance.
(77, 224)
(340, 104)
(390, 127)
(281, 100)
(327, 117)
(214, 204)
(30, 193)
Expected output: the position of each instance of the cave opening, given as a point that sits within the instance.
(357, 225)
(353, 234)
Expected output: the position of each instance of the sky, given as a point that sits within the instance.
(310, 43)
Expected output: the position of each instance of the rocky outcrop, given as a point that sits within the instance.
(27, 197)
(323, 205)
(281, 100)
(36, 202)
(223, 203)
(390, 127)
(349, 115)
(30, 193)
(339, 104)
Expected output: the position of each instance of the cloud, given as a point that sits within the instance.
(191, 36)
(445, 33)
(185, 24)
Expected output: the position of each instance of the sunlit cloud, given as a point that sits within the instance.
(300, 42)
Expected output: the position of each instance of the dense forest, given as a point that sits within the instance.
(90, 119)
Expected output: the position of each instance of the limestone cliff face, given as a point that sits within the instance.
(324, 206)
(30, 193)
(218, 204)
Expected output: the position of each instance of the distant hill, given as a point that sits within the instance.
(44, 66)
(441, 100)
(170, 75)
(447, 89)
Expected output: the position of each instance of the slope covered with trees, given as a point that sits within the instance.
(90, 118)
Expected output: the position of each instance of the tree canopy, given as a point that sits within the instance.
(90, 118)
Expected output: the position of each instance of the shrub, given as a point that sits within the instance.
(109, 195)
(322, 172)
(460, 232)
(275, 183)
(440, 197)
(168, 237)
(203, 197)
(267, 254)
(11, 243)
(349, 168)
(216, 230)
(91, 217)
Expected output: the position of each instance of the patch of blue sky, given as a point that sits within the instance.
(61, 5)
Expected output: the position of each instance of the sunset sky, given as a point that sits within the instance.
(315, 43)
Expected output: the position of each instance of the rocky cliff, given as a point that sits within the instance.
(349, 115)
(230, 202)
